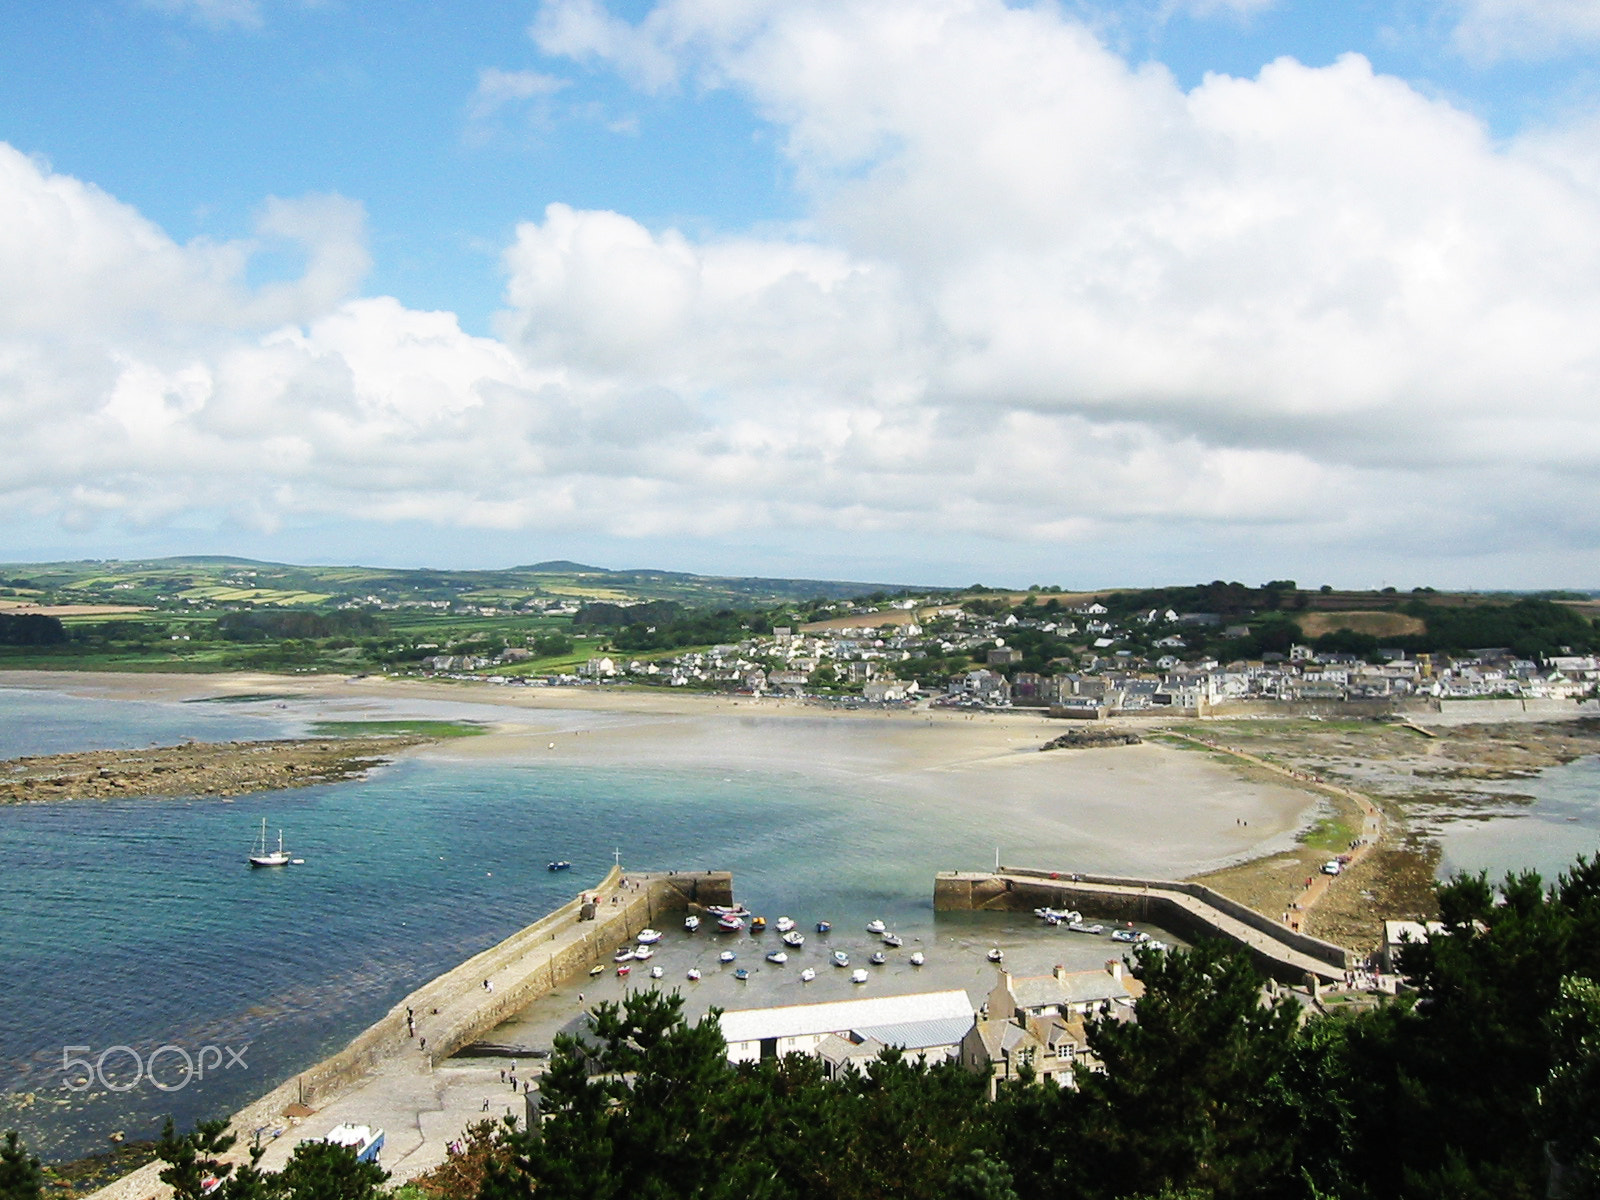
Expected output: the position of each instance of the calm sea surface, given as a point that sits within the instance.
(135, 923)
(1545, 823)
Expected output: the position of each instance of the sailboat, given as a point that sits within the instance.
(261, 856)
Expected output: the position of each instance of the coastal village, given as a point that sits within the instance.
(863, 649)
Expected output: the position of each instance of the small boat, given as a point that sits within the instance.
(624, 969)
(741, 974)
(727, 956)
(841, 959)
(808, 975)
(626, 954)
(644, 952)
(858, 976)
(694, 974)
(783, 924)
(1051, 919)
(691, 923)
(878, 958)
(758, 924)
(1096, 928)
(824, 926)
(1133, 937)
(794, 939)
(648, 937)
(656, 972)
(560, 865)
(777, 956)
(727, 910)
(728, 923)
(916, 958)
(876, 926)
(262, 856)
(893, 940)
(996, 954)
(596, 969)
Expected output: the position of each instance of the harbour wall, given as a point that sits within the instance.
(455, 1009)
(1190, 910)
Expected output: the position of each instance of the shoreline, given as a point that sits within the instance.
(386, 1073)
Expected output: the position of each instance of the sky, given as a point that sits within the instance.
(929, 291)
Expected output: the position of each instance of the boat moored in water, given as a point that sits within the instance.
(656, 972)
(916, 958)
(777, 956)
(693, 974)
(559, 865)
(261, 855)
(648, 937)
(727, 956)
(758, 924)
(892, 940)
(996, 954)
(878, 958)
(741, 974)
(794, 938)
(808, 975)
(783, 924)
(876, 926)
(691, 923)
(624, 969)
(728, 923)
(824, 926)
(858, 976)
(841, 959)
(626, 954)
(643, 952)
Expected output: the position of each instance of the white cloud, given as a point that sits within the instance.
(1490, 30)
(497, 88)
(216, 14)
(1042, 298)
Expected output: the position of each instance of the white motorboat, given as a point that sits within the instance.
(728, 910)
(694, 973)
(841, 959)
(626, 954)
(1096, 928)
(644, 952)
(729, 923)
(727, 956)
(858, 976)
(783, 924)
(996, 954)
(916, 958)
(878, 958)
(876, 926)
(777, 956)
(794, 939)
(1131, 936)
(691, 923)
(656, 972)
(808, 975)
(648, 937)
(893, 940)
(261, 855)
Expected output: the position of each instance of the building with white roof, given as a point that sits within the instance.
(927, 1025)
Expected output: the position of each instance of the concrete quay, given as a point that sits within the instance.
(394, 1074)
(1189, 909)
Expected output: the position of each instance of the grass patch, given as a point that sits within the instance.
(1329, 833)
(417, 728)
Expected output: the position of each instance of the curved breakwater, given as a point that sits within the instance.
(459, 1006)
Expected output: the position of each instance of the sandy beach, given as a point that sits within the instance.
(1148, 807)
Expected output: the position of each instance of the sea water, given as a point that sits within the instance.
(1546, 821)
(133, 928)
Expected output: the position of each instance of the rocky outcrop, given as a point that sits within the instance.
(1089, 739)
(195, 768)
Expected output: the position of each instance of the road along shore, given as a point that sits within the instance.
(388, 1075)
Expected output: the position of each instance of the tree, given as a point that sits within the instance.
(21, 1177)
(1570, 1100)
(328, 1171)
(191, 1159)
(1190, 1095)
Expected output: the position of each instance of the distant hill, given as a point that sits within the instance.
(224, 580)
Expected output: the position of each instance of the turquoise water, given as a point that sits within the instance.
(136, 922)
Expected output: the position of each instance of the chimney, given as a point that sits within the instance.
(1114, 967)
(1060, 972)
